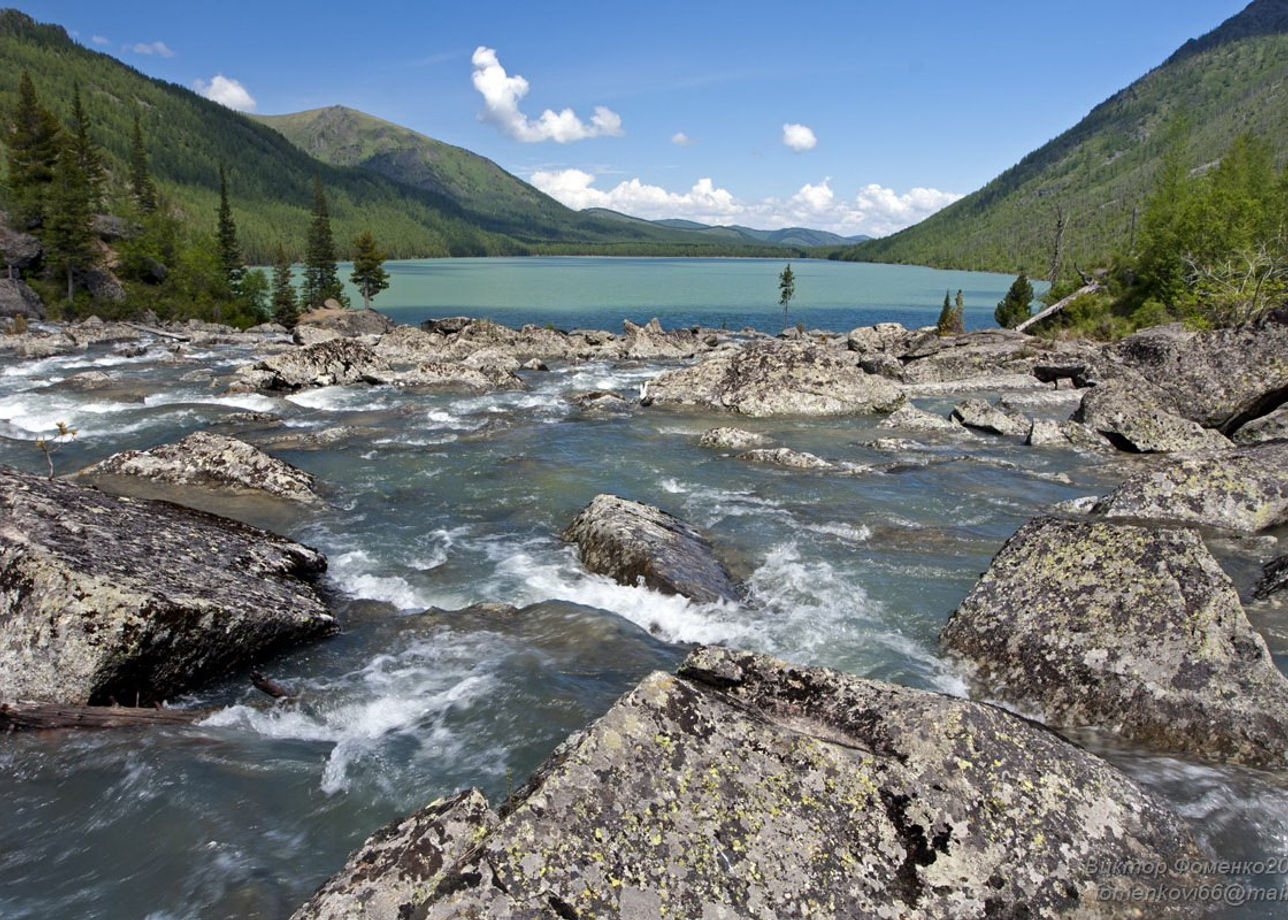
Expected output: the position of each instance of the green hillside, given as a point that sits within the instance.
(801, 237)
(1098, 172)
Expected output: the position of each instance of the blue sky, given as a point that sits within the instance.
(859, 117)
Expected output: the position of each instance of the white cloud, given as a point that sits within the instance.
(680, 139)
(502, 92)
(799, 137)
(226, 91)
(101, 40)
(875, 210)
(150, 48)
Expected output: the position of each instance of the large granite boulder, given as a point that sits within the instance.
(442, 375)
(910, 418)
(748, 788)
(985, 353)
(1270, 427)
(788, 458)
(1127, 414)
(725, 438)
(981, 415)
(104, 597)
(1133, 629)
(18, 299)
(213, 461)
(769, 378)
(346, 322)
(331, 363)
(651, 341)
(1243, 489)
(632, 542)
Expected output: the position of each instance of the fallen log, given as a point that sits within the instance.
(31, 717)
(1059, 305)
(267, 685)
(153, 330)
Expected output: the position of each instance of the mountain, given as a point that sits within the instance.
(1231, 80)
(788, 236)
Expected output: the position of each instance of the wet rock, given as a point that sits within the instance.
(1274, 578)
(769, 378)
(94, 331)
(913, 419)
(984, 416)
(1270, 427)
(1048, 433)
(324, 438)
(745, 787)
(212, 461)
(346, 322)
(1132, 629)
(1133, 421)
(17, 299)
(38, 344)
(1243, 489)
(104, 597)
(652, 341)
(786, 457)
(534, 364)
(338, 362)
(632, 542)
(600, 401)
(438, 375)
(732, 439)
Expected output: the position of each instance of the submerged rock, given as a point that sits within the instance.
(748, 788)
(1274, 578)
(914, 419)
(633, 542)
(1135, 630)
(212, 461)
(768, 378)
(732, 439)
(984, 416)
(1242, 489)
(600, 401)
(1127, 415)
(785, 456)
(104, 597)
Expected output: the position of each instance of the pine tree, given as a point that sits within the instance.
(321, 276)
(69, 227)
(368, 271)
(944, 325)
(141, 185)
(33, 148)
(959, 313)
(285, 305)
(88, 156)
(1015, 307)
(786, 290)
(230, 257)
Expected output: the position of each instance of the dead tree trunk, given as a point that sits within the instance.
(1059, 305)
(29, 717)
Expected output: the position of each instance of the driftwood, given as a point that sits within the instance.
(1090, 288)
(153, 330)
(271, 687)
(28, 717)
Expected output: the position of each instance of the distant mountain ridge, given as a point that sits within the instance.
(787, 236)
(1098, 173)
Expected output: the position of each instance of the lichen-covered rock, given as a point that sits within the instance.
(913, 419)
(632, 542)
(725, 438)
(1243, 489)
(104, 597)
(985, 353)
(1272, 426)
(213, 461)
(786, 457)
(346, 322)
(748, 788)
(1274, 578)
(336, 362)
(769, 378)
(436, 375)
(1132, 420)
(984, 416)
(1046, 432)
(600, 401)
(652, 341)
(1132, 629)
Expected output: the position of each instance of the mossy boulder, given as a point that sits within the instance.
(1130, 416)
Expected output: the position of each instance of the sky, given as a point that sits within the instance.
(856, 117)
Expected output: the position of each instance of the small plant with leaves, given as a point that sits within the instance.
(62, 436)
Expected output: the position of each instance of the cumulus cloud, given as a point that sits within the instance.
(226, 91)
(680, 139)
(501, 94)
(799, 137)
(150, 48)
(875, 210)
(101, 40)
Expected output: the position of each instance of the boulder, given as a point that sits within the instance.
(600, 401)
(337, 362)
(314, 335)
(786, 457)
(732, 439)
(18, 250)
(769, 378)
(212, 461)
(440, 375)
(346, 322)
(111, 228)
(18, 299)
(652, 341)
(1274, 578)
(748, 788)
(985, 353)
(410, 344)
(1047, 433)
(1269, 427)
(882, 337)
(913, 419)
(447, 325)
(1132, 629)
(1244, 489)
(981, 415)
(104, 597)
(1132, 420)
(103, 285)
(632, 542)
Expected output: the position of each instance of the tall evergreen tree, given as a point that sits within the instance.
(69, 227)
(368, 268)
(285, 305)
(786, 290)
(88, 156)
(141, 185)
(944, 325)
(321, 276)
(1016, 306)
(230, 256)
(33, 148)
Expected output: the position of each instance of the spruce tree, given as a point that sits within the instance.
(959, 313)
(944, 326)
(88, 156)
(321, 276)
(33, 148)
(786, 290)
(69, 227)
(230, 257)
(1015, 307)
(141, 185)
(285, 305)
(368, 268)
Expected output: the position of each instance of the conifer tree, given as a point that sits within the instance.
(786, 290)
(88, 156)
(321, 276)
(959, 313)
(285, 305)
(1015, 307)
(33, 147)
(69, 227)
(368, 268)
(230, 257)
(141, 185)
(944, 325)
